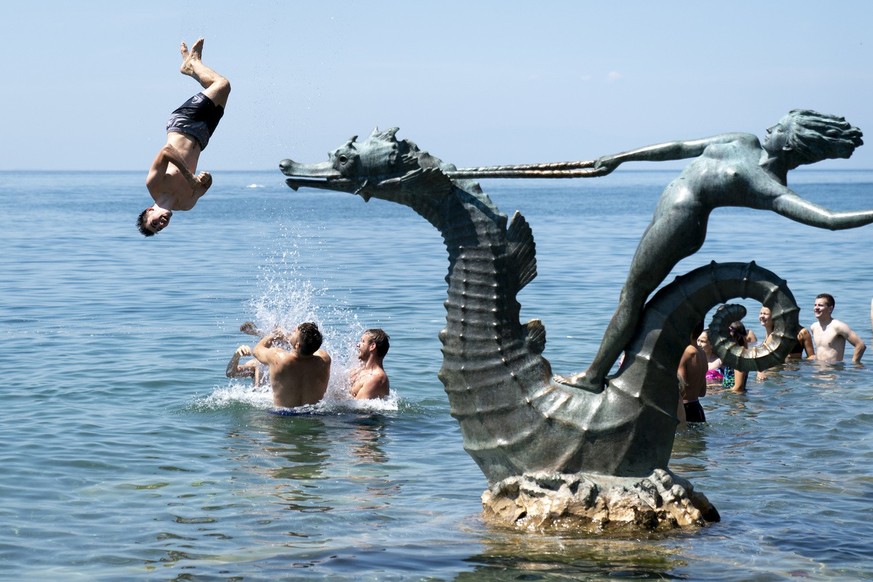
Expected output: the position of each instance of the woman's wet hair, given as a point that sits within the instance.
(737, 332)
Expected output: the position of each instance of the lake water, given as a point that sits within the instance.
(127, 454)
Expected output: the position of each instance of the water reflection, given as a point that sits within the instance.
(302, 442)
(346, 448)
(374, 484)
(533, 556)
(826, 375)
(367, 434)
(782, 374)
(689, 451)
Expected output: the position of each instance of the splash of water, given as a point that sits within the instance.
(286, 297)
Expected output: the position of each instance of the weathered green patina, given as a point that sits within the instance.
(515, 418)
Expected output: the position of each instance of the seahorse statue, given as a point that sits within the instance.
(515, 419)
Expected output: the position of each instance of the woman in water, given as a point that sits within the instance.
(732, 169)
(735, 380)
(713, 373)
(804, 338)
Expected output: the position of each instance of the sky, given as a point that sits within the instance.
(89, 85)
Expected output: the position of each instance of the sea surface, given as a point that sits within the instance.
(127, 454)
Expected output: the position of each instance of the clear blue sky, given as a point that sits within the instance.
(89, 85)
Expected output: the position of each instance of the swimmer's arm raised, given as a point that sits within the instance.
(264, 352)
(234, 370)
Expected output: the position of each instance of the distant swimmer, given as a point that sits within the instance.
(830, 335)
(171, 180)
(298, 375)
(370, 380)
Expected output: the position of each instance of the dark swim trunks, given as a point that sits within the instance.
(694, 412)
(197, 117)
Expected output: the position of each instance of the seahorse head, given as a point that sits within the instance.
(380, 166)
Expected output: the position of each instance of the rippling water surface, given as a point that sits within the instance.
(128, 455)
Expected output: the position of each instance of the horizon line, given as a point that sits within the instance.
(659, 169)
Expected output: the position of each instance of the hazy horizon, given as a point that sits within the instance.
(474, 83)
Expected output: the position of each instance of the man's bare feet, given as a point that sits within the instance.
(581, 382)
(190, 57)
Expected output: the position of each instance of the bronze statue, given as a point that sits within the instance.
(517, 422)
(733, 169)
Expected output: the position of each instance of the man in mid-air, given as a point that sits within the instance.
(171, 180)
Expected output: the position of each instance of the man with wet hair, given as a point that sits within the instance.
(299, 374)
(370, 380)
(830, 335)
(171, 180)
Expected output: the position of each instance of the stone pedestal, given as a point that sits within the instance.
(597, 502)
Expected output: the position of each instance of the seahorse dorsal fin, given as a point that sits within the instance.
(536, 335)
(522, 250)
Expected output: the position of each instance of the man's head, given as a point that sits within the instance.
(373, 340)
(811, 136)
(824, 305)
(308, 338)
(377, 338)
(153, 220)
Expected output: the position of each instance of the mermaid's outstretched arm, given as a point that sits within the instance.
(671, 150)
(792, 206)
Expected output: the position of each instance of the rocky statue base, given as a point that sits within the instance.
(660, 501)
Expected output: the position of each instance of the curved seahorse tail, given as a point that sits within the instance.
(774, 294)
(645, 389)
(677, 308)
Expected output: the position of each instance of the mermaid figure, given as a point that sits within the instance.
(732, 169)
